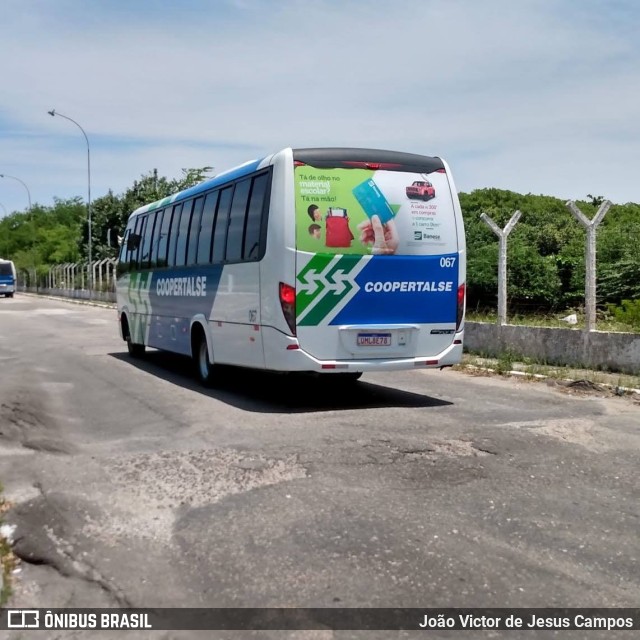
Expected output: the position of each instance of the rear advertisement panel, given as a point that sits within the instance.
(367, 212)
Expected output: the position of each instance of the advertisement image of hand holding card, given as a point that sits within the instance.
(350, 204)
(372, 201)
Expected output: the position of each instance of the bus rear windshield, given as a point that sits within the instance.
(374, 210)
(5, 269)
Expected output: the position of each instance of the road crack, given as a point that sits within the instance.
(43, 546)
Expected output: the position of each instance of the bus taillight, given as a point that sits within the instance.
(288, 304)
(461, 295)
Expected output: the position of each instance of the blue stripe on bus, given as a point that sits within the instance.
(404, 289)
(176, 296)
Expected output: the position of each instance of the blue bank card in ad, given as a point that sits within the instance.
(372, 200)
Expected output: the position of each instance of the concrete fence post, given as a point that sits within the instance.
(590, 259)
(502, 234)
(113, 264)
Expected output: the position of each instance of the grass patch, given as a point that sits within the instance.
(604, 320)
(505, 362)
(511, 362)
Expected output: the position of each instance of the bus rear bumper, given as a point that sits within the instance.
(283, 353)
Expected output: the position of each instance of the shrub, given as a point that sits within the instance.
(627, 312)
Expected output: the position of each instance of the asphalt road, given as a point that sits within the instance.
(134, 486)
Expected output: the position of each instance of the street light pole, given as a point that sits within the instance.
(53, 112)
(35, 273)
(4, 175)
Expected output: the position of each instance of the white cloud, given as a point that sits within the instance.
(532, 95)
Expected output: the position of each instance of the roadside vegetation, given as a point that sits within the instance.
(545, 264)
(45, 236)
(511, 364)
(546, 269)
(606, 321)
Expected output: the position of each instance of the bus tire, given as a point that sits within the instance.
(135, 350)
(204, 368)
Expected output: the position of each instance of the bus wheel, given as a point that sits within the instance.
(135, 350)
(204, 367)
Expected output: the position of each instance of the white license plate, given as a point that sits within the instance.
(374, 339)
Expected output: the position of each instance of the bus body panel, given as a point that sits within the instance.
(279, 262)
(407, 304)
(283, 353)
(235, 318)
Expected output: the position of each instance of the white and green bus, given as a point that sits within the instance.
(308, 260)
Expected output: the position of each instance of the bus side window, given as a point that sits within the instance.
(123, 247)
(123, 257)
(163, 239)
(155, 240)
(207, 224)
(135, 242)
(147, 237)
(183, 234)
(236, 221)
(222, 220)
(173, 234)
(253, 224)
(194, 231)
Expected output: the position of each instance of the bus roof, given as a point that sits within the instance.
(335, 157)
(321, 157)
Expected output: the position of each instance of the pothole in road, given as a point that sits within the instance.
(26, 421)
(452, 448)
(147, 488)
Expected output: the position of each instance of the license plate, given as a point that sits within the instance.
(374, 339)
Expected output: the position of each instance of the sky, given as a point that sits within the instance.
(535, 96)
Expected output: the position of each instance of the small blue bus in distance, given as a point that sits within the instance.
(309, 260)
(8, 278)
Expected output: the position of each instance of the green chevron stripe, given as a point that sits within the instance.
(328, 300)
(317, 264)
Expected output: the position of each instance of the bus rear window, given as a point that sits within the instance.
(373, 211)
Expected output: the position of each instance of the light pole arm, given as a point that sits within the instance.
(4, 175)
(53, 112)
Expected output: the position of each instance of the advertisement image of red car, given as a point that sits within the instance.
(421, 190)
